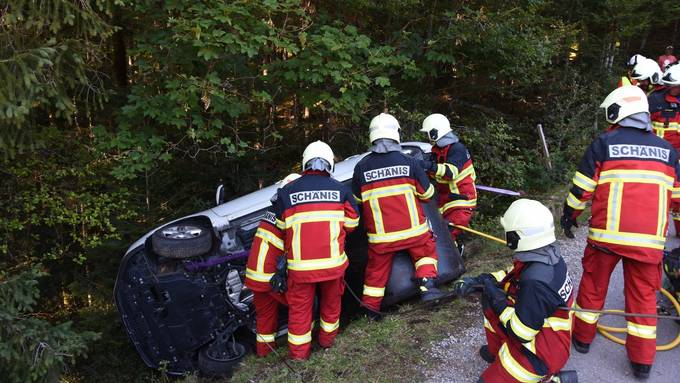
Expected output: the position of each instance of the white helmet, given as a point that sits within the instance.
(288, 179)
(635, 59)
(384, 126)
(671, 76)
(436, 126)
(647, 69)
(623, 102)
(318, 149)
(528, 225)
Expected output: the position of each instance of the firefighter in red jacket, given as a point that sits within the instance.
(632, 61)
(266, 248)
(528, 337)
(664, 107)
(648, 75)
(314, 213)
(452, 170)
(389, 186)
(631, 175)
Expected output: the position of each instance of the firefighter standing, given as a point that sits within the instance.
(389, 186)
(648, 75)
(631, 177)
(632, 61)
(452, 169)
(664, 107)
(528, 337)
(267, 247)
(314, 214)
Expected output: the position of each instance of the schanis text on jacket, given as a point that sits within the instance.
(639, 151)
(390, 171)
(315, 196)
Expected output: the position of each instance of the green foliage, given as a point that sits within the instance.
(33, 349)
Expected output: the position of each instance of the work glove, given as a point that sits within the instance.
(568, 221)
(428, 166)
(279, 281)
(468, 285)
(493, 296)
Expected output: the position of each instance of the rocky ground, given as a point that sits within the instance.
(606, 362)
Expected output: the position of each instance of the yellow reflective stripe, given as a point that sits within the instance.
(506, 315)
(662, 215)
(296, 241)
(614, 206)
(371, 291)
(428, 193)
(334, 231)
(675, 193)
(426, 261)
(377, 216)
(531, 346)
(412, 209)
(441, 170)
(487, 325)
(258, 276)
(270, 237)
(514, 368)
(316, 264)
(627, 239)
(641, 330)
(398, 235)
(351, 222)
(387, 191)
(357, 198)
(262, 255)
(266, 338)
(280, 224)
(575, 203)
(315, 216)
(637, 176)
(468, 203)
(584, 182)
(299, 339)
(329, 327)
(558, 324)
(520, 329)
(590, 318)
(469, 171)
(499, 275)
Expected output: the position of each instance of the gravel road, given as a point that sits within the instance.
(606, 362)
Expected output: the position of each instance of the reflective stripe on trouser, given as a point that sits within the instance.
(641, 281)
(266, 319)
(379, 267)
(511, 364)
(300, 300)
(460, 217)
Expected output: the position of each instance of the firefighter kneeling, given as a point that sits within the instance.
(528, 336)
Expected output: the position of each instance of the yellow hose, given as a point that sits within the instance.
(479, 233)
(607, 331)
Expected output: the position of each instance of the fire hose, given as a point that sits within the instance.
(607, 331)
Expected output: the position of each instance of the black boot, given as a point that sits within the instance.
(486, 354)
(641, 371)
(567, 376)
(429, 290)
(372, 315)
(581, 347)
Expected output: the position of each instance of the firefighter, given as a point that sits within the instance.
(630, 64)
(452, 170)
(314, 213)
(664, 107)
(389, 186)
(631, 175)
(266, 248)
(648, 75)
(528, 337)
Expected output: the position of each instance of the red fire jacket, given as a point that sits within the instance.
(389, 187)
(315, 212)
(266, 248)
(455, 177)
(631, 176)
(665, 114)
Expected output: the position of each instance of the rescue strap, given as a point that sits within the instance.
(479, 233)
(499, 190)
(448, 297)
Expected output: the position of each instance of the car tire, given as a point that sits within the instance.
(217, 363)
(182, 240)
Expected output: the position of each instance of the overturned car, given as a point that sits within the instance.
(180, 290)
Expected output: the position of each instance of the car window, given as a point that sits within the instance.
(413, 151)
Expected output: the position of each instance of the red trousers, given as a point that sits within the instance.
(459, 217)
(512, 363)
(300, 301)
(380, 264)
(641, 282)
(266, 319)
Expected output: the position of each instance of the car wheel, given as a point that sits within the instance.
(181, 240)
(219, 361)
